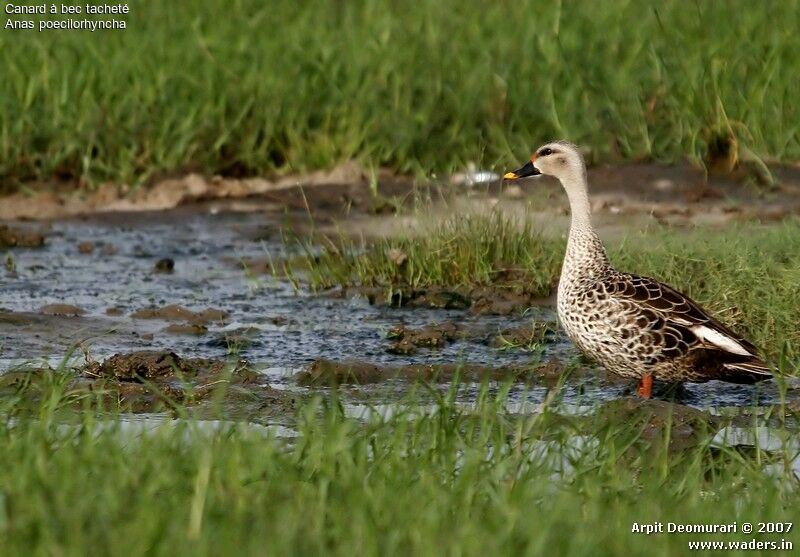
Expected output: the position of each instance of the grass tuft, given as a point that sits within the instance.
(459, 251)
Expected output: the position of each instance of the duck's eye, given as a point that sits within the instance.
(545, 152)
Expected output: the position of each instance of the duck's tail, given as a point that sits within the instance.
(748, 371)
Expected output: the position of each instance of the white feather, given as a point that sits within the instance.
(720, 340)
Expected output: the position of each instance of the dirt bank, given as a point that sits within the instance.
(673, 194)
(324, 372)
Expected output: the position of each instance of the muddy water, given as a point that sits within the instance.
(110, 267)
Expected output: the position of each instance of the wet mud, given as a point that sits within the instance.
(175, 312)
(525, 336)
(186, 329)
(156, 381)
(201, 282)
(500, 299)
(406, 340)
(325, 372)
(658, 421)
(64, 310)
(675, 194)
(19, 237)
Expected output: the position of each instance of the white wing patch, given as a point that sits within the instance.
(720, 340)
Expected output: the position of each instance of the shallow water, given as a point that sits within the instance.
(288, 329)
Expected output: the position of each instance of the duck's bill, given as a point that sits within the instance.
(523, 172)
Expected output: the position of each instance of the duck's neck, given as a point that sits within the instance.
(585, 254)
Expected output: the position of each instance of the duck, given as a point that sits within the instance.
(634, 326)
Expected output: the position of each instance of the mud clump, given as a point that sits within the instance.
(86, 247)
(164, 266)
(62, 310)
(329, 372)
(793, 408)
(148, 380)
(256, 266)
(324, 372)
(180, 313)
(431, 298)
(237, 340)
(186, 329)
(658, 421)
(431, 336)
(407, 340)
(20, 238)
(492, 301)
(528, 335)
(485, 300)
(136, 366)
(551, 371)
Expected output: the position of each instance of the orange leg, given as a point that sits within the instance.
(645, 389)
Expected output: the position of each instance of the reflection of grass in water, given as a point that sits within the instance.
(746, 274)
(249, 87)
(456, 481)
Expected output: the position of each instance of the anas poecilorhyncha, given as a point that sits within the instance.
(634, 326)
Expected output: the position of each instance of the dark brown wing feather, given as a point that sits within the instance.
(670, 316)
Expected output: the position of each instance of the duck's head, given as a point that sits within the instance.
(559, 159)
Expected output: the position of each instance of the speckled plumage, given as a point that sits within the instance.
(635, 326)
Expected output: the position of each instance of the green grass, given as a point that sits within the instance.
(243, 87)
(746, 274)
(459, 481)
(460, 251)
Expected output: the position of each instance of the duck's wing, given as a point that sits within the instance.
(680, 325)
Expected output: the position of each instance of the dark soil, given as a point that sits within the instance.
(160, 366)
(18, 237)
(672, 193)
(432, 336)
(325, 372)
(64, 310)
(528, 335)
(659, 420)
(179, 313)
(86, 247)
(407, 340)
(151, 381)
(186, 329)
(481, 300)
(165, 265)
